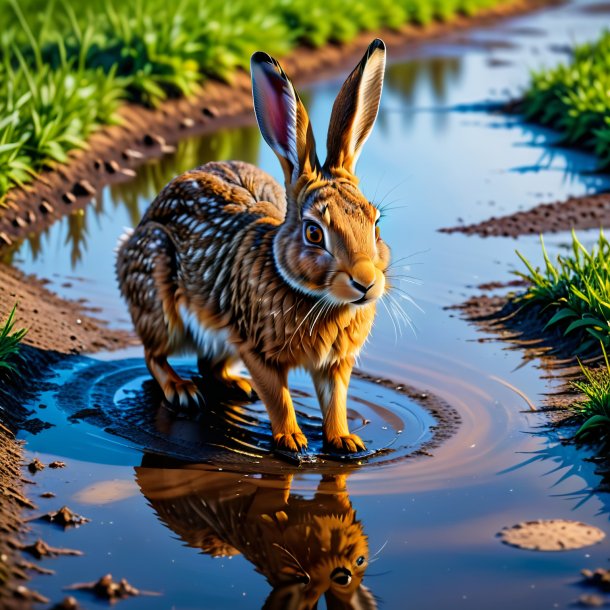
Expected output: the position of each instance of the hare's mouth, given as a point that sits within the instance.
(363, 299)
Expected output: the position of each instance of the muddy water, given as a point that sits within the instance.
(232, 538)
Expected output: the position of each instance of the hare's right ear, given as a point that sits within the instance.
(355, 110)
(282, 118)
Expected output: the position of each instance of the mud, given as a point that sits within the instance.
(579, 213)
(113, 152)
(56, 329)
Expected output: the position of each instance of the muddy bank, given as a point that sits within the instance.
(502, 317)
(114, 152)
(522, 327)
(588, 212)
(56, 329)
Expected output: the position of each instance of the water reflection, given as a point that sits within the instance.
(438, 73)
(306, 547)
(241, 143)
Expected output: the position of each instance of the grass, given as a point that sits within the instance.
(573, 98)
(574, 291)
(9, 342)
(66, 66)
(594, 408)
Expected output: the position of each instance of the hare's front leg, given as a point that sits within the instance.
(331, 387)
(271, 384)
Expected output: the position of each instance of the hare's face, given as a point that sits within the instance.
(333, 249)
(328, 246)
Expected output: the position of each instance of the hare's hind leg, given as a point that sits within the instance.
(146, 268)
(222, 370)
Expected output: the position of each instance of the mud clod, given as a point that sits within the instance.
(45, 207)
(64, 516)
(599, 578)
(106, 588)
(591, 601)
(40, 549)
(67, 603)
(57, 464)
(35, 465)
(22, 592)
(83, 188)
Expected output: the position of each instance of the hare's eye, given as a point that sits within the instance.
(313, 234)
(360, 560)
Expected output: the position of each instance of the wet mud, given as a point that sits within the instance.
(578, 213)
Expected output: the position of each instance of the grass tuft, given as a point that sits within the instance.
(9, 342)
(595, 407)
(573, 98)
(574, 291)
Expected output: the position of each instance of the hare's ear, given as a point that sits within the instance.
(355, 110)
(282, 118)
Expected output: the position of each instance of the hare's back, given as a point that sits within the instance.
(230, 194)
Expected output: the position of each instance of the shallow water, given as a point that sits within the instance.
(436, 158)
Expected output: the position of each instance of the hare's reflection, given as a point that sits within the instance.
(305, 547)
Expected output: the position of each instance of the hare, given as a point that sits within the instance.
(227, 264)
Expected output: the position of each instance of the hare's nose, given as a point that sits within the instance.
(359, 286)
(363, 274)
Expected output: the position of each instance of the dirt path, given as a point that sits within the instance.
(115, 151)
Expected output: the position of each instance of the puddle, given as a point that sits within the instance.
(118, 396)
(210, 538)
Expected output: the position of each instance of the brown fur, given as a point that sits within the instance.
(219, 263)
(305, 548)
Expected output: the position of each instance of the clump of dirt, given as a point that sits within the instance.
(551, 535)
(65, 517)
(40, 549)
(599, 578)
(35, 466)
(588, 212)
(106, 588)
(67, 603)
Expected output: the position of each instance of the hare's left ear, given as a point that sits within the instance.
(282, 118)
(355, 110)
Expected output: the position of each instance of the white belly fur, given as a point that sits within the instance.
(210, 344)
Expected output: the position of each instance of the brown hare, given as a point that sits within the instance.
(227, 264)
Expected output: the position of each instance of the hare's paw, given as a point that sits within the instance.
(348, 443)
(293, 441)
(239, 385)
(183, 393)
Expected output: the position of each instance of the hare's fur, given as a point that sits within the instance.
(219, 264)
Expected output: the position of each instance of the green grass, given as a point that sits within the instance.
(594, 408)
(574, 291)
(573, 98)
(66, 65)
(9, 342)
